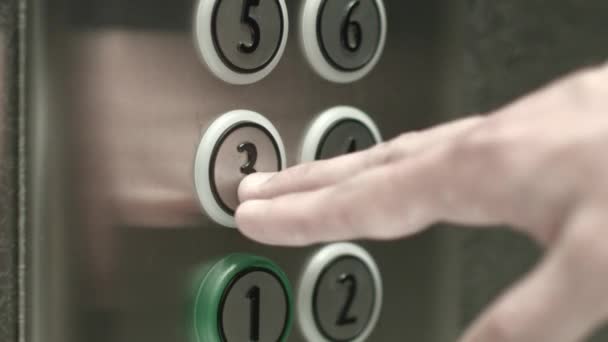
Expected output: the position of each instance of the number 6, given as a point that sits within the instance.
(351, 33)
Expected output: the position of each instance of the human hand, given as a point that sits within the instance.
(537, 165)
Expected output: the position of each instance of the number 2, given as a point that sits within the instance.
(351, 33)
(254, 313)
(250, 47)
(345, 317)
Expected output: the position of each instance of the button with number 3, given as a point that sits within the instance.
(343, 39)
(340, 295)
(241, 41)
(241, 298)
(235, 145)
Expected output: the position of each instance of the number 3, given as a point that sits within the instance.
(246, 19)
(352, 33)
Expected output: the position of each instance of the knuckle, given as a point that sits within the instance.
(382, 153)
(586, 88)
(499, 327)
(587, 251)
(478, 151)
(301, 170)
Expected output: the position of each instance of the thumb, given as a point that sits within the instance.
(563, 300)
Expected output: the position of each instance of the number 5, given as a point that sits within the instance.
(246, 19)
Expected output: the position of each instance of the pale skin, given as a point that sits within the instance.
(539, 165)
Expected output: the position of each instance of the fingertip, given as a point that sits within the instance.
(249, 188)
(252, 221)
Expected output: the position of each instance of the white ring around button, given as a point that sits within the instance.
(203, 39)
(326, 121)
(312, 46)
(204, 154)
(312, 273)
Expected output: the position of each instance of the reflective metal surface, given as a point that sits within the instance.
(118, 101)
(10, 120)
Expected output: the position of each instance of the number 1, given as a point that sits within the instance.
(254, 311)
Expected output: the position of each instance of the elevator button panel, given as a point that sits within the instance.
(237, 144)
(241, 298)
(343, 39)
(340, 295)
(338, 131)
(241, 41)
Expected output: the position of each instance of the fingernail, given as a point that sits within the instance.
(250, 185)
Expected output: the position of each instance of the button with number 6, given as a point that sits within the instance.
(241, 41)
(340, 295)
(241, 298)
(343, 39)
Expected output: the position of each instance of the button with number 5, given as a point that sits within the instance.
(343, 39)
(241, 41)
(241, 298)
(340, 295)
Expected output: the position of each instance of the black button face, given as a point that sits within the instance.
(254, 308)
(242, 150)
(344, 299)
(248, 33)
(349, 32)
(345, 137)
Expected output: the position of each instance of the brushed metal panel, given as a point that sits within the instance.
(118, 103)
(10, 116)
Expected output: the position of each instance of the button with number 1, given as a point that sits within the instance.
(241, 298)
(241, 41)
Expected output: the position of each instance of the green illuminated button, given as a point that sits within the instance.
(242, 298)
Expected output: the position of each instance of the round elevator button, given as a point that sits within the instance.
(241, 41)
(338, 131)
(340, 295)
(242, 298)
(343, 39)
(237, 144)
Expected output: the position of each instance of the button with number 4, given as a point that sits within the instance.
(338, 131)
(343, 39)
(340, 295)
(237, 144)
(241, 298)
(241, 41)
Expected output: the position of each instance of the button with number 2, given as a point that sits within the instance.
(340, 295)
(241, 41)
